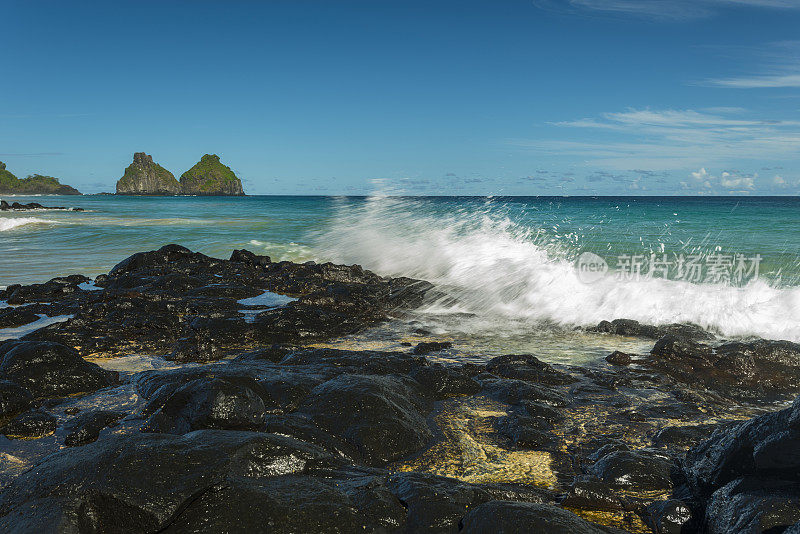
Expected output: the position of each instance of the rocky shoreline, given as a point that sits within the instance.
(16, 206)
(242, 420)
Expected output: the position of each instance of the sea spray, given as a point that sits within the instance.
(507, 272)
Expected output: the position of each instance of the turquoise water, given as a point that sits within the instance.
(507, 260)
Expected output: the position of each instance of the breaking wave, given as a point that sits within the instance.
(506, 271)
(12, 223)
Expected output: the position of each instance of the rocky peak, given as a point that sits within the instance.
(140, 158)
(2, 166)
(210, 176)
(145, 177)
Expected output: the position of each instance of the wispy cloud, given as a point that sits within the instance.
(30, 154)
(660, 140)
(779, 67)
(669, 10)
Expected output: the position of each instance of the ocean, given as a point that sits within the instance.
(519, 273)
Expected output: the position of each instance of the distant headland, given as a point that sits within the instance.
(35, 184)
(208, 177)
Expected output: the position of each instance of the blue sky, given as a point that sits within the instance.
(468, 97)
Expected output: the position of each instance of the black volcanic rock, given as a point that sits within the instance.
(747, 476)
(382, 416)
(51, 369)
(224, 403)
(30, 425)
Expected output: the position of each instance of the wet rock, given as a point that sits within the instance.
(753, 506)
(431, 346)
(606, 446)
(526, 432)
(763, 446)
(50, 369)
(223, 403)
(670, 517)
(147, 479)
(527, 367)
(303, 428)
(351, 502)
(679, 347)
(518, 391)
(619, 358)
(274, 353)
(383, 417)
(63, 287)
(543, 411)
(759, 369)
(631, 328)
(163, 256)
(245, 256)
(30, 425)
(13, 398)
(441, 382)
(86, 427)
(435, 504)
(15, 317)
(638, 471)
(194, 349)
(747, 476)
(516, 517)
(367, 362)
(683, 436)
(588, 493)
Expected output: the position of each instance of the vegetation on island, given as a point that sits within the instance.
(210, 176)
(35, 184)
(207, 177)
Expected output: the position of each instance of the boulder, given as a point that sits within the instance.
(15, 317)
(30, 425)
(86, 427)
(511, 517)
(529, 368)
(50, 369)
(146, 480)
(223, 403)
(13, 398)
(383, 417)
(639, 471)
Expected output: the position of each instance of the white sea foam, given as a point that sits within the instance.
(504, 272)
(10, 223)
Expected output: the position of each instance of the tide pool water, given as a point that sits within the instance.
(508, 265)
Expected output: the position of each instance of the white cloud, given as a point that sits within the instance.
(778, 180)
(672, 139)
(731, 181)
(759, 82)
(669, 10)
(780, 68)
(728, 180)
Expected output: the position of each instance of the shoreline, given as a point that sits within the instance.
(198, 359)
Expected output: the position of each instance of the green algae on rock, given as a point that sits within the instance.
(35, 184)
(145, 177)
(209, 176)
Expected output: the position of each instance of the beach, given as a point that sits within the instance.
(416, 364)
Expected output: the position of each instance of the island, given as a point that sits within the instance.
(208, 177)
(35, 184)
(145, 177)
